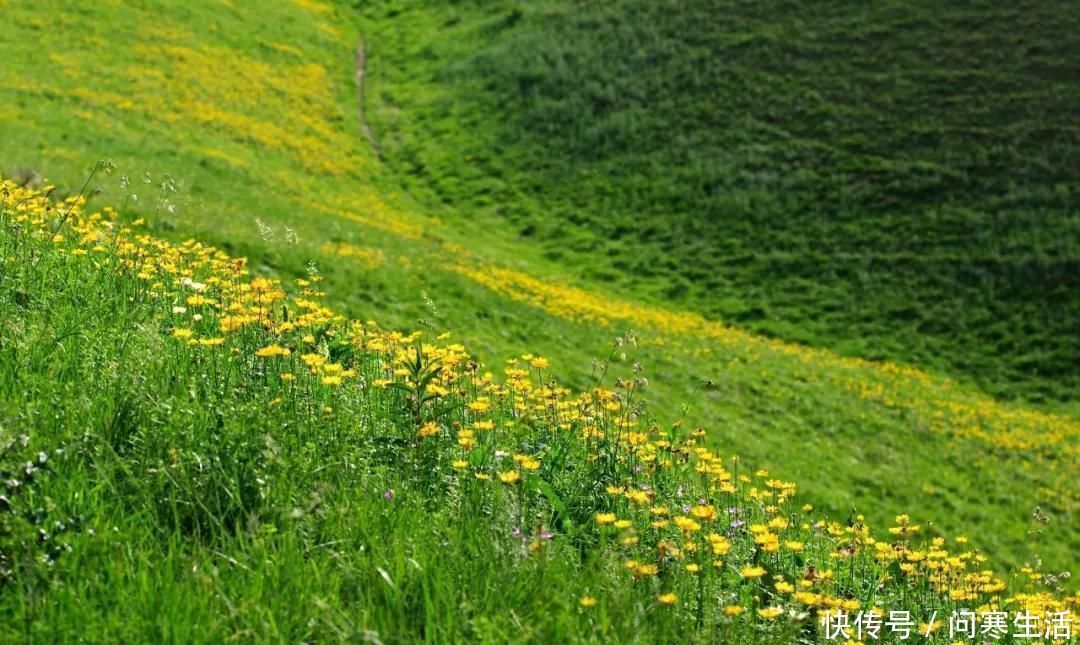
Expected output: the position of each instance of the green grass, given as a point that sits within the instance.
(175, 507)
(894, 181)
(154, 488)
(292, 156)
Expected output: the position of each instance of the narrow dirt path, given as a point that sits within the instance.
(361, 63)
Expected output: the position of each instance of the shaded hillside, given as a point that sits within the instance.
(891, 180)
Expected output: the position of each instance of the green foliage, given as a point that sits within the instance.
(895, 181)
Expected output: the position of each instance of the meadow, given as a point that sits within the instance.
(215, 432)
(895, 181)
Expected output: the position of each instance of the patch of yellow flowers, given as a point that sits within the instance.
(939, 403)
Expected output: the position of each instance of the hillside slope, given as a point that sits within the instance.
(894, 181)
(191, 454)
(257, 128)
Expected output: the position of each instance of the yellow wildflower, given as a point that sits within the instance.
(704, 513)
(271, 351)
(687, 524)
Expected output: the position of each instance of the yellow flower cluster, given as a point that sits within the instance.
(287, 108)
(367, 257)
(936, 402)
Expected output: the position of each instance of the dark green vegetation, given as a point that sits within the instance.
(890, 180)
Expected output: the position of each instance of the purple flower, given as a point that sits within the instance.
(516, 532)
(546, 535)
(737, 523)
(389, 494)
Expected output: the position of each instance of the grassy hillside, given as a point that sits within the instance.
(891, 180)
(255, 124)
(190, 454)
(198, 94)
